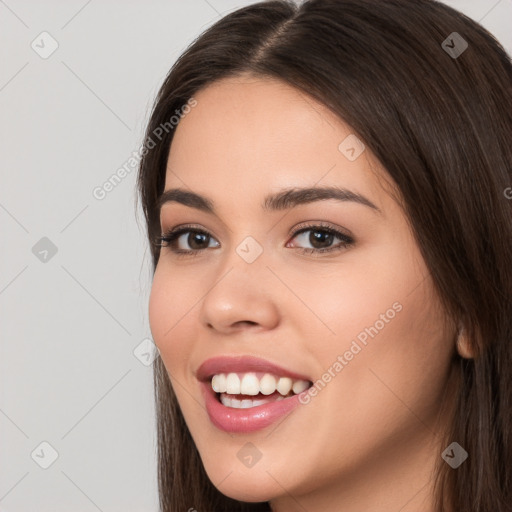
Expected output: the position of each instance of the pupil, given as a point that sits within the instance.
(317, 236)
(192, 237)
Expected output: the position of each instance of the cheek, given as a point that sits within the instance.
(170, 311)
(340, 303)
(395, 355)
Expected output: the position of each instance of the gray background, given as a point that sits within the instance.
(71, 321)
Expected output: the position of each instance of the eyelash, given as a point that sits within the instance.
(170, 236)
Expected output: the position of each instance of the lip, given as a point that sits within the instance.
(234, 420)
(233, 364)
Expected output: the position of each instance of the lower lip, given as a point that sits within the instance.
(230, 419)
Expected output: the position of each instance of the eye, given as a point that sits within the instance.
(197, 239)
(321, 238)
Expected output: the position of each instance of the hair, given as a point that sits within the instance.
(441, 127)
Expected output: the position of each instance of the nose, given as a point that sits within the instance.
(241, 296)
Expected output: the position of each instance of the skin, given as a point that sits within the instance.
(372, 437)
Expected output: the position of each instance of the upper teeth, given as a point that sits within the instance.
(250, 384)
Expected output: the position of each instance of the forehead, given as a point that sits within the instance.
(248, 136)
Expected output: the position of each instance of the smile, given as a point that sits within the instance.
(250, 394)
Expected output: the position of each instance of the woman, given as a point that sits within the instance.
(331, 234)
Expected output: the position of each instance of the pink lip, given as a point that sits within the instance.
(244, 420)
(230, 419)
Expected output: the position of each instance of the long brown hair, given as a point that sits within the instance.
(441, 125)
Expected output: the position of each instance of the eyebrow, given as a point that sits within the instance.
(282, 200)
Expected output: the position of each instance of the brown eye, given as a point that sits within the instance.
(195, 239)
(321, 239)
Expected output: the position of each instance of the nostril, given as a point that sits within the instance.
(241, 323)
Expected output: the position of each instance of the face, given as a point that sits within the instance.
(328, 290)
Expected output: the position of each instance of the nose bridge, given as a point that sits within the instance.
(250, 250)
(245, 266)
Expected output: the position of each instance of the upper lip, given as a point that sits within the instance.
(242, 364)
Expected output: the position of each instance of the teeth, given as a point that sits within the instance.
(267, 384)
(299, 386)
(228, 401)
(233, 384)
(249, 384)
(219, 383)
(284, 385)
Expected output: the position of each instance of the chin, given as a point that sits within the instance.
(249, 485)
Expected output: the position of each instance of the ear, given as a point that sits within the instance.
(463, 345)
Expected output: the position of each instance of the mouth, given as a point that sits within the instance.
(244, 394)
